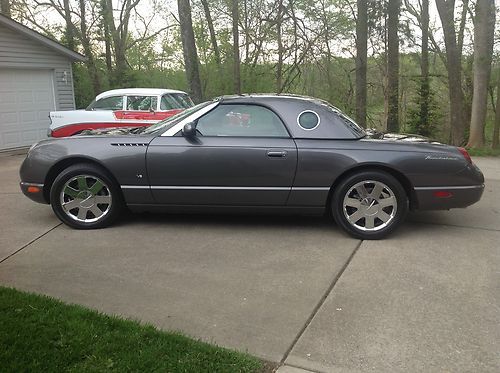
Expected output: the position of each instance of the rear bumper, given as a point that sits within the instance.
(448, 197)
(33, 191)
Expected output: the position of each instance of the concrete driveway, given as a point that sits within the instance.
(294, 290)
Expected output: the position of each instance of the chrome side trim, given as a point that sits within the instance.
(134, 186)
(31, 184)
(451, 187)
(310, 188)
(181, 187)
(196, 187)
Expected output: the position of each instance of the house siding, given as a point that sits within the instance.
(18, 51)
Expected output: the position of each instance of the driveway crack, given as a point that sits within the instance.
(319, 304)
(29, 243)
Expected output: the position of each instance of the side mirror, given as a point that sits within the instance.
(189, 130)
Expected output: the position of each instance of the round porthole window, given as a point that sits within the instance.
(308, 120)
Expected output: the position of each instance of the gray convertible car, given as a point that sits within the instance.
(251, 153)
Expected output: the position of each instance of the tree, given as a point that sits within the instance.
(496, 128)
(106, 36)
(393, 66)
(279, 39)
(213, 38)
(84, 37)
(5, 8)
(361, 60)
(424, 68)
(484, 32)
(446, 10)
(70, 28)
(236, 47)
(119, 35)
(422, 120)
(189, 50)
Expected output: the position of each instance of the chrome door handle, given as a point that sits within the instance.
(276, 153)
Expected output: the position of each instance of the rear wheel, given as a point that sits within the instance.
(83, 196)
(370, 204)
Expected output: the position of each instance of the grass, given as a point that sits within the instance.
(484, 152)
(40, 334)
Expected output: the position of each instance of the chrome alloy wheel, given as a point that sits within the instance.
(85, 198)
(370, 205)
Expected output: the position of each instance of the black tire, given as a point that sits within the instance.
(109, 194)
(369, 226)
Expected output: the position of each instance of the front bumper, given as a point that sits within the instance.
(33, 191)
(448, 197)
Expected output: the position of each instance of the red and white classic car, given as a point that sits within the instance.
(129, 107)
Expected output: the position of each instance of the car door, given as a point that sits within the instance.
(242, 155)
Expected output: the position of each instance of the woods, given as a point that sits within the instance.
(430, 67)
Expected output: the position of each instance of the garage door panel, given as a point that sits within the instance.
(7, 97)
(26, 98)
(8, 119)
(42, 97)
(11, 139)
(30, 136)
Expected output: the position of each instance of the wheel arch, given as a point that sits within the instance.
(64, 163)
(398, 175)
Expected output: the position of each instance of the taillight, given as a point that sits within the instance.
(465, 154)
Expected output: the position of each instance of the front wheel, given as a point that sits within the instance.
(83, 196)
(369, 205)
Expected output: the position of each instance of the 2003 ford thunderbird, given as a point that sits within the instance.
(254, 153)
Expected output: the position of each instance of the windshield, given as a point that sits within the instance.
(173, 120)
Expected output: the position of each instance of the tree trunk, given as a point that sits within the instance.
(446, 9)
(119, 38)
(361, 61)
(484, 31)
(94, 74)
(106, 37)
(211, 29)
(5, 8)
(69, 32)
(189, 50)
(236, 47)
(461, 29)
(425, 82)
(279, 65)
(393, 66)
(496, 128)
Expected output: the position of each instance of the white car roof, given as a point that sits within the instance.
(137, 91)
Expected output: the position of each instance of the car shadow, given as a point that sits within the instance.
(247, 221)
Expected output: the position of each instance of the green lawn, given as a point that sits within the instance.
(38, 334)
(484, 152)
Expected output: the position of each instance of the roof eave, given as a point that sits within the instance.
(52, 44)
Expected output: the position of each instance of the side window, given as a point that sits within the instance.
(171, 101)
(108, 103)
(241, 121)
(141, 102)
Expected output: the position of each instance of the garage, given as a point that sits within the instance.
(26, 98)
(35, 78)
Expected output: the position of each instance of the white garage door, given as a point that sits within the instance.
(26, 98)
